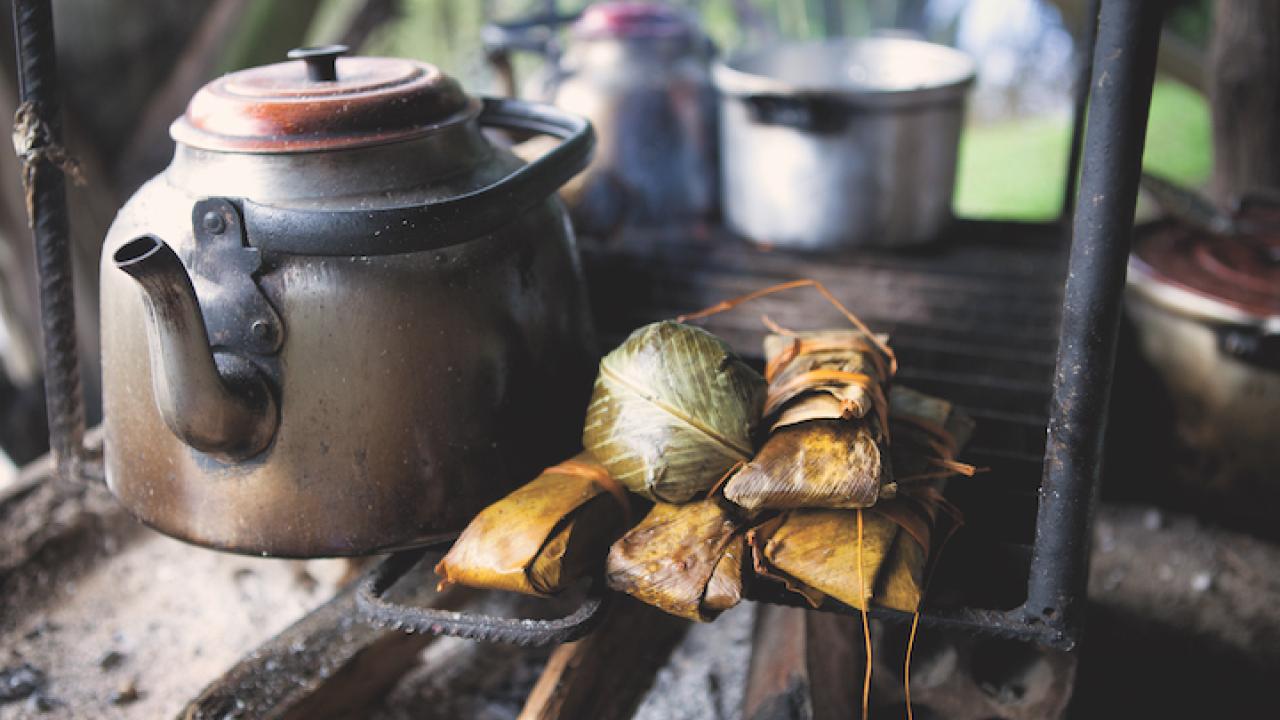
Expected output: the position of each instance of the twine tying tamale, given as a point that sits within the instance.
(724, 305)
(599, 475)
(866, 627)
(811, 345)
(957, 520)
(778, 394)
(879, 352)
(943, 445)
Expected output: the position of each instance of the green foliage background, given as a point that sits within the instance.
(1013, 169)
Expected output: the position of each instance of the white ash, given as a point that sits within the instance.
(706, 676)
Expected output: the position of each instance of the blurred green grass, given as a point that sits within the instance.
(1017, 169)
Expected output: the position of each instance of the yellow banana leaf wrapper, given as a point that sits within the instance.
(842, 369)
(816, 464)
(543, 536)
(672, 411)
(827, 402)
(815, 552)
(686, 560)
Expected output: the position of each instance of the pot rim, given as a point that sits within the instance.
(1156, 289)
(733, 80)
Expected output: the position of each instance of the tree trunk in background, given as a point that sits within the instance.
(1244, 90)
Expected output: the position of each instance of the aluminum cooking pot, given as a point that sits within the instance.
(341, 321)
(841, 143)
(641, 72)
(1206, 312)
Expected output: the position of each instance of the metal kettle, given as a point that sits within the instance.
(641, 73)
(342, 321)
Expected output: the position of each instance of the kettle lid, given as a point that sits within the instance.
(321, 101)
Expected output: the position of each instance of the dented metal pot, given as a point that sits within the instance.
(341, 321)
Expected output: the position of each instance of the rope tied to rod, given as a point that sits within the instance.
(33, 143)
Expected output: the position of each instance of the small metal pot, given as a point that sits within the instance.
(841, 143)
(1206, 312)
(640, 72)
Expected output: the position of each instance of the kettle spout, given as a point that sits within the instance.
(222, 407)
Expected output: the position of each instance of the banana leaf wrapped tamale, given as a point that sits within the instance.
(543, 536)
(847, 369)
(826, 401)
(672, 411)
(815, 552)
(684, 559)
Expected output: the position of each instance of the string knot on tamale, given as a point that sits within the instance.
(673, 409)
(827, 412)
(543, 536)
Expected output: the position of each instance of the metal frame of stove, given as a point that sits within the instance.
(1121, 74)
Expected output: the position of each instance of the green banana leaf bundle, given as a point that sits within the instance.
(815, 552)
(673, 410)
(545, 535)
(686, 560)
(827, 403)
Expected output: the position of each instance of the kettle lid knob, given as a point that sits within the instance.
(321, 61)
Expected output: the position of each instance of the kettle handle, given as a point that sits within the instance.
(414, 228)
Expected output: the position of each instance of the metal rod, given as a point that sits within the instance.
(47, 203)
(1088, 40)
(1123, 72)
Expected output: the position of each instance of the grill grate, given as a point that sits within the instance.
(975, 322)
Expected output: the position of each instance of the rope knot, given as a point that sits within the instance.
(33, 142)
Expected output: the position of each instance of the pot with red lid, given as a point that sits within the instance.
(641, 72)
(342, 321)
(1206, 311)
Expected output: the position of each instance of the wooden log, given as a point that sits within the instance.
(606, 674)
(329, 664)
(805, 665)
(778, 681)
(43, 518)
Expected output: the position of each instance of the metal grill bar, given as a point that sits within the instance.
(1123, 72)
(47, 202)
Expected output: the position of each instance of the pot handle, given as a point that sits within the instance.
(532, 34)
(1256, 346)
(810, 113)
(414, 228)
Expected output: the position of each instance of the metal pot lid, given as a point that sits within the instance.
(1225, 278)
(631, 20)
(321, 101)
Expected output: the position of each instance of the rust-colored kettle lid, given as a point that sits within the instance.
(320, 101)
